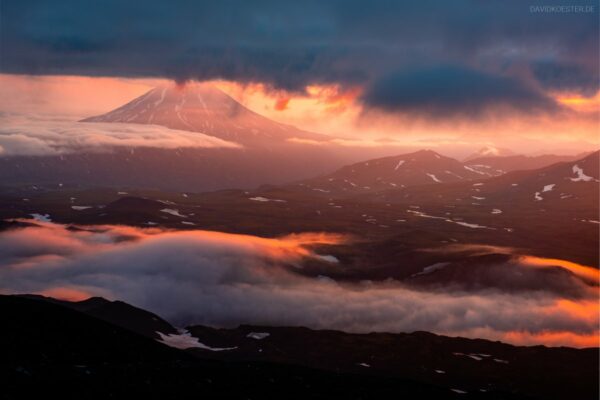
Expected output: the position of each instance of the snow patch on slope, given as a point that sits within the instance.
(432, 176)
(581, 177)
(185, 340)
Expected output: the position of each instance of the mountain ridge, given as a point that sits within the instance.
(50, 347)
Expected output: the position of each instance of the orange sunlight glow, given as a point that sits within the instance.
(579, 103)
(329, 109)
(552, 339)
(583, 310)
(588, 273)
(65, 293)
(337, 111)
(285, 248)
(282, 104)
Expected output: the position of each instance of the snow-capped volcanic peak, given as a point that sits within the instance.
(490, 151)
(201, 107)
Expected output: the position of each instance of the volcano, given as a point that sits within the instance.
(260, 144)
(201, 107)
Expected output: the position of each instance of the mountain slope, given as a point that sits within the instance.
(117, 313)
(444, 361)
(423, 167)
(199, 108)
(51, 348)
(206, 109)
(573, 185)
(553, 211)
(497, 165)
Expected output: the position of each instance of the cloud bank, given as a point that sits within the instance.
(289, 45)
(446, 91)
(201, 277)
(45, 136)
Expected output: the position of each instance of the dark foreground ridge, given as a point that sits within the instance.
(102, 349)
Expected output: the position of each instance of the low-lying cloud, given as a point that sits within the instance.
(45, 136)
(213, 278)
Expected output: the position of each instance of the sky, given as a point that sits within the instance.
(511, 73)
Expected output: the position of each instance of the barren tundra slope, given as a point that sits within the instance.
(419, 168)
(155, 359)
(549, 213)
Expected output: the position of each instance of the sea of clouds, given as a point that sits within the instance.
(31, 135)
(219, 279)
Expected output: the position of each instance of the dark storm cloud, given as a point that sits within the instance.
(449, 90)
(566, 77)
(286, 44)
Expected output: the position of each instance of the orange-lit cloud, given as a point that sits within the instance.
(580, 103)
(336, 98)
(329, 109)
(335, 110)
(224, 279)
(65, 293)
(552, 339)
(282, 104)
(589, 273)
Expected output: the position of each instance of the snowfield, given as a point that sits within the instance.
(41, 217)
(173, 212)
(581, 177)
(328, 258)
(265, 200)
(258, 335)
(431, 269)
(79, 208)
(432, 176)
(184, 340)
(461, 223)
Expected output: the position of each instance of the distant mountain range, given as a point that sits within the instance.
(270, 153)
(497, 165)
(423, 168)
(562, 182)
